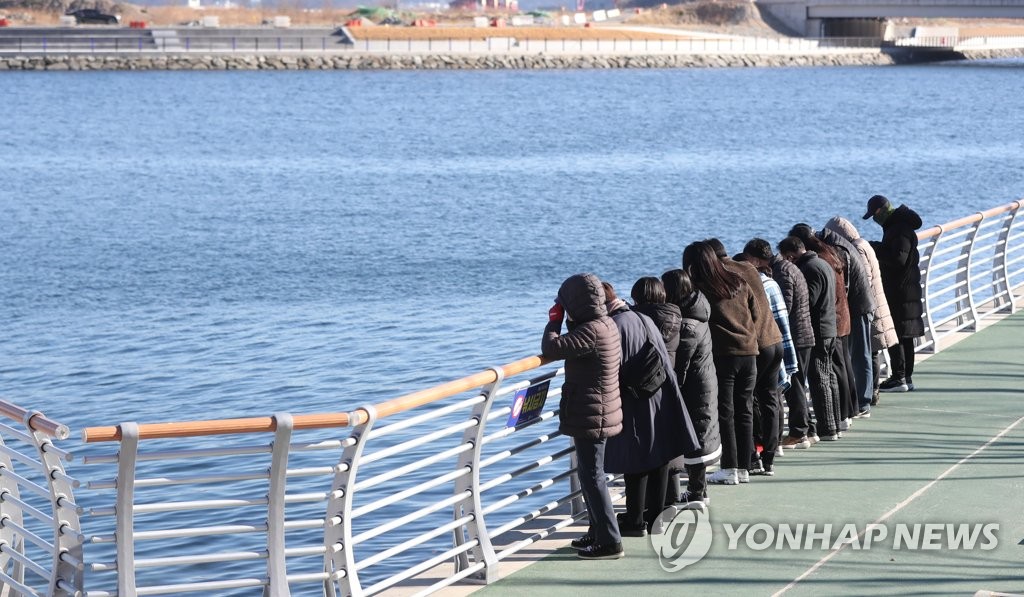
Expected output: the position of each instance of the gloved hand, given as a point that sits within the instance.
(556, 313)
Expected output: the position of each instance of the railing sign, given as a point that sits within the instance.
(528, 404)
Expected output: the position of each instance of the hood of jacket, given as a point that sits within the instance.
(582, 296)
(904, 217)
(843, 228)
(696, 306)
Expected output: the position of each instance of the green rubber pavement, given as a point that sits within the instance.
(949, 453)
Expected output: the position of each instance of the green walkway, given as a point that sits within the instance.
(951, 452)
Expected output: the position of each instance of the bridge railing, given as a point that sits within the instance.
(970, 268)
(40, 541)
(157, 42)
(412, 494)
(248, 504)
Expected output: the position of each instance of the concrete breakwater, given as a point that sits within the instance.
(360, 61)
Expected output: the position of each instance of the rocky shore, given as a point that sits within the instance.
(357, 61)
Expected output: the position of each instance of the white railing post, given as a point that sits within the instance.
(8, 538)
(1002, 293)
(964, 292)
(340, 558)
(277, 569)
(929, 323)
(67, 575)
(124, 534)
(471, 505)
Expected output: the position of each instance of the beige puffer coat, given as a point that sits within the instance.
(883, 332)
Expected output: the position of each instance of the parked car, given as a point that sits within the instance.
(93, 16)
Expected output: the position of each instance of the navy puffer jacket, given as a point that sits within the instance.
(654, 430)
(590, 407)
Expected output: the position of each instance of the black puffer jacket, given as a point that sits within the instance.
(668, 320)
(858, 279)
(794, 292)
(695, 371)
(900, 263)
(654, 430)
(590, 407)
(821, 294)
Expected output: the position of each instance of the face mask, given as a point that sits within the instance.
(881, 216)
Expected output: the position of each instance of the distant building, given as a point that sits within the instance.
(509, 5)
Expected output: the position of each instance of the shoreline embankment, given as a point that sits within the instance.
(489, 61)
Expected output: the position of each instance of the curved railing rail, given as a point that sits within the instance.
(40, 541)
(970, 268)
(422, 491)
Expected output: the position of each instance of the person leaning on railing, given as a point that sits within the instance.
(590, 410)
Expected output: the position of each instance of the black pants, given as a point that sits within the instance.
(796, 395)
(697, 484)
(645, 495)
(766, 399)
(736, 377)
(824, 387)
(590, 470)
(901, 357)
(843, 365)
(876, 369)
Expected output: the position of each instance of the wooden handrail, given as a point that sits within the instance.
(313, 421)
(37, 422)
(966, 220)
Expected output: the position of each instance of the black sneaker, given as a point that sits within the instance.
(874, 398)
(910, 385)
(692, 501)
(893, 384)
(583, 542)
(601, 552)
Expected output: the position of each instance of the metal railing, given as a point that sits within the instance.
(981, 42)
(40, 540)
(169, 42)
(422, 491)
(970, 268)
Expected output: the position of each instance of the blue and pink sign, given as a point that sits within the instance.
(528, 404)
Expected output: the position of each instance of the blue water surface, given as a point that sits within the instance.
(186, 245)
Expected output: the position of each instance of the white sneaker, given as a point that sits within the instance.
(844, 425)
(725, 476)
(742, 476)
(779, 452)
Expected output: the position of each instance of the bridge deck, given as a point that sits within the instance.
(950, 452)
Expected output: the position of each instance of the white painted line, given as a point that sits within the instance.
(897, 508)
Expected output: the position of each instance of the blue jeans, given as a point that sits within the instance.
(590, 469)
(860, 354)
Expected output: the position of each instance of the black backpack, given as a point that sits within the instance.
(644, 373)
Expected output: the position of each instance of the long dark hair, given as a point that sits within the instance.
(708, 274)
(813, 243)
(648, 291)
